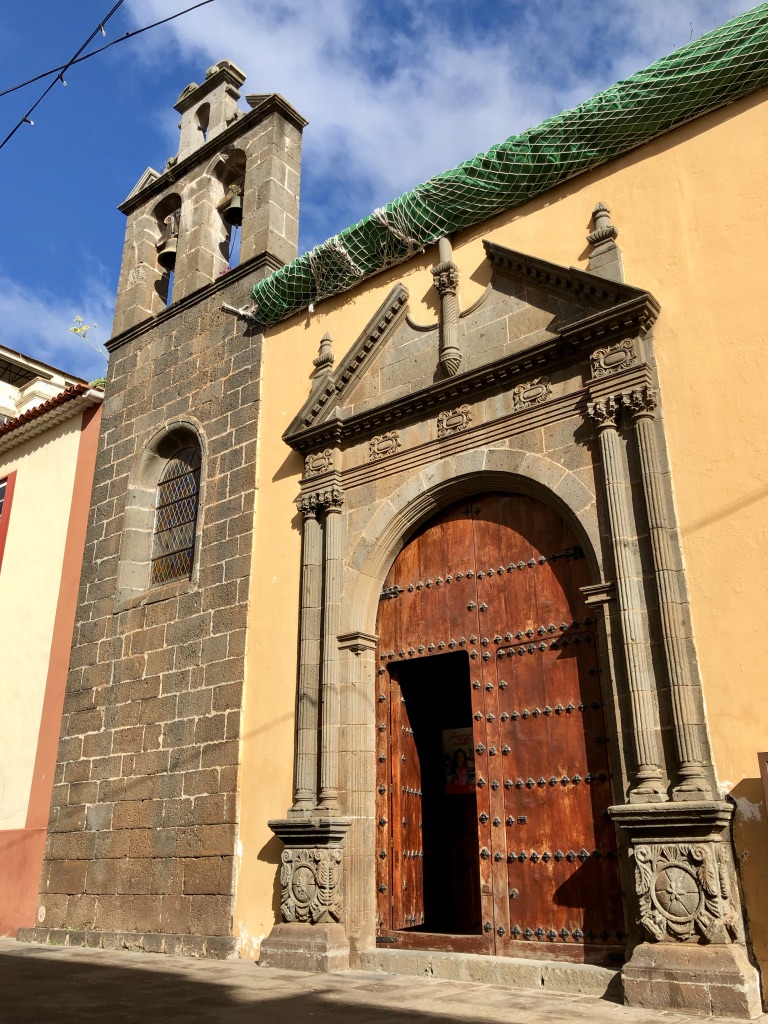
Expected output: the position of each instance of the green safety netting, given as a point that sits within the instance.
(720, 67)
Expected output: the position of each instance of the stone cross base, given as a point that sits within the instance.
(306, 947)
(715, 980)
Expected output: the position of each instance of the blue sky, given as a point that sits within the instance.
(395, 91)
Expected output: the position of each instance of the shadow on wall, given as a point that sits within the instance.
(750, 833)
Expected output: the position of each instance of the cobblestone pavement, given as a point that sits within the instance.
(57, 985)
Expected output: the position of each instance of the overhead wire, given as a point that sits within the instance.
(60, 76)
(92, 53)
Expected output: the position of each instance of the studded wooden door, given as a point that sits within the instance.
(499, 578)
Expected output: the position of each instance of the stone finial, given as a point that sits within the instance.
(604, 230)
(325, 357)
(605, 258)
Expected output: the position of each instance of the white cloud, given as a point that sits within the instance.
(395, 93)
(37, 322)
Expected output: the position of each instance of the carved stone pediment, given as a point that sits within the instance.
(531, 308)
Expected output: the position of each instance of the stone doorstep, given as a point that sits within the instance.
(215, 947)
(547, 975)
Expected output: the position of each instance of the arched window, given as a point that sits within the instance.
(173, 537)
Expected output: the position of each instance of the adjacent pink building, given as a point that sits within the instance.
(49, 424)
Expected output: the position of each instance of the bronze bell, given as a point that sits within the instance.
(233, 214)
(166, 257)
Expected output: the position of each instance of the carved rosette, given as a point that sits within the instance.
(606, 361)
(383, 445)
(533, 393)
(310, 881)
(318, 462)
(446, 278)
(452, 422)
(685, 890)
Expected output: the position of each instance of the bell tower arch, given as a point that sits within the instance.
(233, 168)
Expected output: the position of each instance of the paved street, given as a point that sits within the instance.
(56, 985)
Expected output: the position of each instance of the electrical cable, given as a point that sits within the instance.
(60, 77)
(101, 49)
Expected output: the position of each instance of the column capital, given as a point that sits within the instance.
(604, 412)
(331, 498)
(640, 402)
(325, 499)
(446, 278)
(307, 504)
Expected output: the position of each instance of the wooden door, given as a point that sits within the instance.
(499, 578)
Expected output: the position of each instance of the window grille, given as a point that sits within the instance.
(178, 495)
(3, 485)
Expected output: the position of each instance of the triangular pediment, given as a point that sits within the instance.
(529, 305)
(148, 177)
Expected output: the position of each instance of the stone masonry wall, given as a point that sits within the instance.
(143, 820)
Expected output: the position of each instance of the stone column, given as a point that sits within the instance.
(446, 275)
(648, 786)
(696, 781)
(308, 700)
(330, 713)
(311, 935)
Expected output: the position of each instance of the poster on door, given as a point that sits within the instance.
(459, 762)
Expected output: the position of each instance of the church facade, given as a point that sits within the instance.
(403, 638)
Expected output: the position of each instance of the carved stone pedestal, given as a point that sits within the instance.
(713, 980)
(311, 937)
(688, 904)
(306, 947)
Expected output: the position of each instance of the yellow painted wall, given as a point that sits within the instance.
(692, 210)
(29, 591)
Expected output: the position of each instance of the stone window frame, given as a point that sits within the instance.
(134, 585)
(189, 482)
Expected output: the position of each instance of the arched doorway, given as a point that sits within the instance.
(493, 778)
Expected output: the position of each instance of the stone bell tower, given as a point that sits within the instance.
(234, 170)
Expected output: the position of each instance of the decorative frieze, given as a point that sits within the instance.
(454, 421)
(613, 358)
(310, 882)
(533, 393)
(384, 444)
(318, 462)
(684, 890)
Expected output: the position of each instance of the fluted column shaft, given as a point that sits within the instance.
(695, 783)
(648, 784)
(308, 703)
(330, 715)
